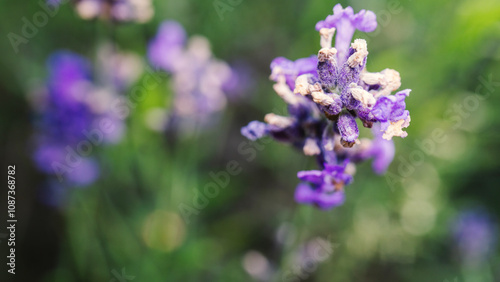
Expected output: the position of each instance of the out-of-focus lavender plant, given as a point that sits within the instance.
(71, 110)
(115, 10)
(326, 95)
(475, 234)
(117, 70)
(200, 82)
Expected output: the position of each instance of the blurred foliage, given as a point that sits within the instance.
(392, 228)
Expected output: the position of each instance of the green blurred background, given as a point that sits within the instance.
(391, 228)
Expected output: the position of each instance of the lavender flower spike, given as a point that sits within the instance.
(325, 104)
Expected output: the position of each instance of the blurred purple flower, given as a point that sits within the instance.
(198, 79)
(70, 111)
(292, 69)
(85, 173)
(65, 116)
(167, 47)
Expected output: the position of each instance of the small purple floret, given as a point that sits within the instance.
(255, 130)
(325, 188)
(391, 108)
(348, 128)
(292, 69)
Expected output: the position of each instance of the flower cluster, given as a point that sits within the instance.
(200, 82)
(326, 95)
(74, 114)
(116, 10)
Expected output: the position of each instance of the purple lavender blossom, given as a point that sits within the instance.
(65, 116)
(326, 95)
(85, 173)
(255, 130)
(390, 111)
(292, 69)
(164, 50)
(475, 234)
(325, 188)
(198, 79)
(69, 110)
(391, 108)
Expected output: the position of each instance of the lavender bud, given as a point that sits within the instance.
(254, 130)
(351, 69)
(327, 67)
(348, 129)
